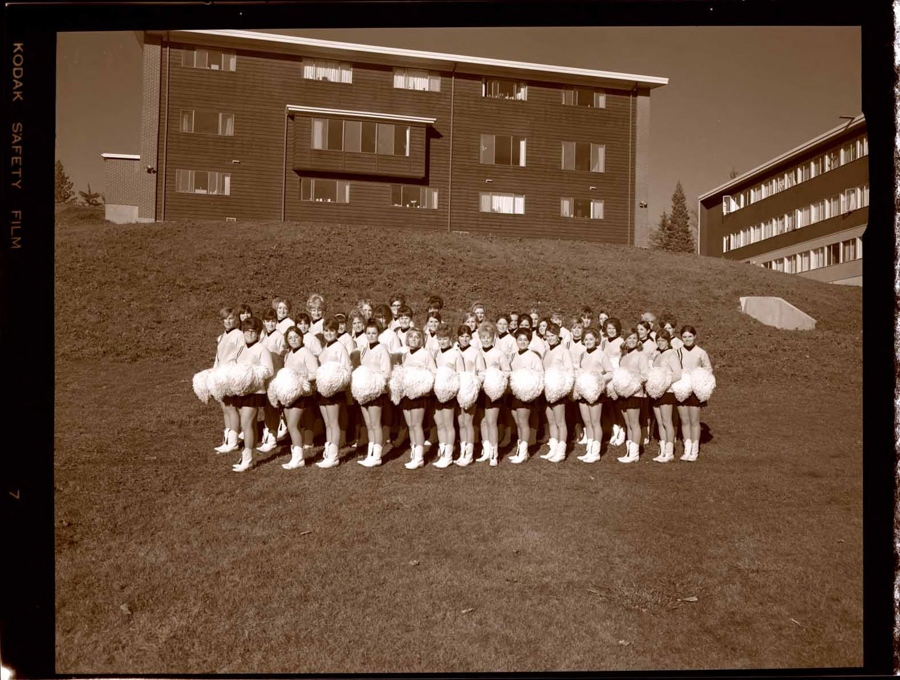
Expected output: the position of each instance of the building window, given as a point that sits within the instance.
(849, 200)
(207, 123)
(324, 190)
(510, 204)
(203, 182)
(817, 212)
(583, 156)
(496, 88)
(331, 71)
(414, 79)
(582, 96)
(849, 248)
(502, 150)
(724, 244)
(864, 145)
(360, 137)
(865, 194)
(584, 208)
(804, 261)
(414, 197)
(849, 152)
(756, 193)
(834, 253)
(212, 60)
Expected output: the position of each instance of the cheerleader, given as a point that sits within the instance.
(316, 308)
(576, 349)
(473, 362)
(478, 311)
(565, 336)
(494, 357)
(344, 336)
(395, 302)
(669, 326)
(429, 339)
(558, 358)
(300, 359)
(662, 408)
(525, 359)
(329, 407)
(388, 338)
(357, 334)
(435, 304)
(274, 342)
(536, 343)
(254, 354)
(535, 318)
(587, 317)
(471, 320)
(647, 345)
(283, 314)
(634, 360)
(650, 318)
(311, 341)
(593, 359)
(355, 346)
(690, 357)
(450, 357)
(228, 345)
(602, 319)
(513, 323)
(404, 323)
(244, 313)
(505, 340)
(612, 347)
(414, 409)
(376, 357)
(365, 308)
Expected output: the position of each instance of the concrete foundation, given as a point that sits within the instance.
(121, 214)
(774, 311)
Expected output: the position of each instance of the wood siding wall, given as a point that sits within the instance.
(264, 83)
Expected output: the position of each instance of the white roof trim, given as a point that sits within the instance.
(653, 81)
(796, 151)
(360, 114)
(122, 156)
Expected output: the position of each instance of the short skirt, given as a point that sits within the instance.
(305, 402)
(448, 405)
(667, 399)
(251, 401)
(582, 400)
(515, 403)
(484, 401)
(694, 401)
(412, 404)
(230, 400)
(631, 402)
(333, 400)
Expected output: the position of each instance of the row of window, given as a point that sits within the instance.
(203, 182)
(207, 122)
(404, 78)
(836, 253)
(357, 136)
(845, 202)
(825, 162)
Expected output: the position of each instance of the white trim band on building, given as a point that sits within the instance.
(122, 156)
(438, 58)
(359, 114)
(859, 120)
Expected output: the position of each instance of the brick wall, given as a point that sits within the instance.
(123, 181)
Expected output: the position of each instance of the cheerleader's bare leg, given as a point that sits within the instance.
(330, 416)
(633, 427)
(292, 418)
(491, 417)
(414, 418)
(248, 425)
(685, 419)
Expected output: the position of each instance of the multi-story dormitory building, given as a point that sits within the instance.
(253, 125)
(803, 212)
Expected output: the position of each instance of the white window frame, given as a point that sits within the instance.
(228, 62)
(341, 190)
(493, 147)
(520, 91)
(218, 183)
(222, 125)
(494, 200)
(412, 79)
(428, 197)
(327, 70)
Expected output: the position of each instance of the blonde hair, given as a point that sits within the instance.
(316, 299)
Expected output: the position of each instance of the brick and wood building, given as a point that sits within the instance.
(803, 212)
(252, 125)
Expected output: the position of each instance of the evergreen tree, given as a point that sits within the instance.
(674, 230)
(90, 198)
(63, 185)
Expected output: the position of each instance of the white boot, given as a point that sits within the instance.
(282, 430)
(416, 458)
(365, 462)
(240, 435)
(495, 454)
(521, 453)
(246, 461)
(695, 450)
(593, 452)
(688, 449)
(224, 441)
(614, 440)
(632, 448)
(559, 455)
(466, 450)
(268, 441)
(330, 459)
(230, 445)
(446, 457)
(296, 459)
(374, 457)
(584, 438)
(552, 452)
(485, 452)
(589, 446)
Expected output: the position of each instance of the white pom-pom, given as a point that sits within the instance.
(366, 384)
(589, 384)
(468, 390)
(396, 384)
(683, 388)
(287, 386)
(526, 383)
(201, 388)
(446, 384)
(261, 376)
(610, 390)
(217, 382)
(703, 383)
(239, 379)
(331, 378)
(658, 381)
(417, 382)
(495, 382)
(558, 383)
(625, 382)
(270, 393)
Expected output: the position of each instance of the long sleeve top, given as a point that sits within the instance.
(228, 345)
(496, 357)
(473, 360)
(558, 357)
(335, 352)
(565, 337)
(668, 358)
(538, 344)
(347, 341)
(274, 342)
(648, 346)
(317, 327)
(377, 358)
(257, 355)
(303, 361)
(576, 349)
(451, 357)
(508, 344)
(312, 343)
(420, 358)
(527, 358)
(613, 349)
(695, 357)
(636, 362)
(284, 324)
(391, 342)
(430, 342)
(596, 360)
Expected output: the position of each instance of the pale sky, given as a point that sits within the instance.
(737, 96)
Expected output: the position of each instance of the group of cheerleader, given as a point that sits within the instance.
(375, 367)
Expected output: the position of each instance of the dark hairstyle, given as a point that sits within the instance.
(251, 324)
(435, 302)
(303, 317)
(524, 331)
(602, 312)
(288, 331)
(383, 311)
(443, 331)
(615, 323)
(376, 324)
(279, 300)
(663, 333)
(598, 336)
(477, 304)
(625, 334)
(505, 317)
(270, 315)
(225, 312)
(405, 310)
(341, 318)
(553, 328)
(330, 324)
(689, 329)
(667, 319)
(434, 315)
(464, 330)
(400, 297)
(526, 318)
(587, 311)
(646, 325)
(244, 309)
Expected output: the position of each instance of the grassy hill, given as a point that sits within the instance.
(515, 568)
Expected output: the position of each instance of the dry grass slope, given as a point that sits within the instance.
(516, 568)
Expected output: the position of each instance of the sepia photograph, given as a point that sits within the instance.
(458, 349)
